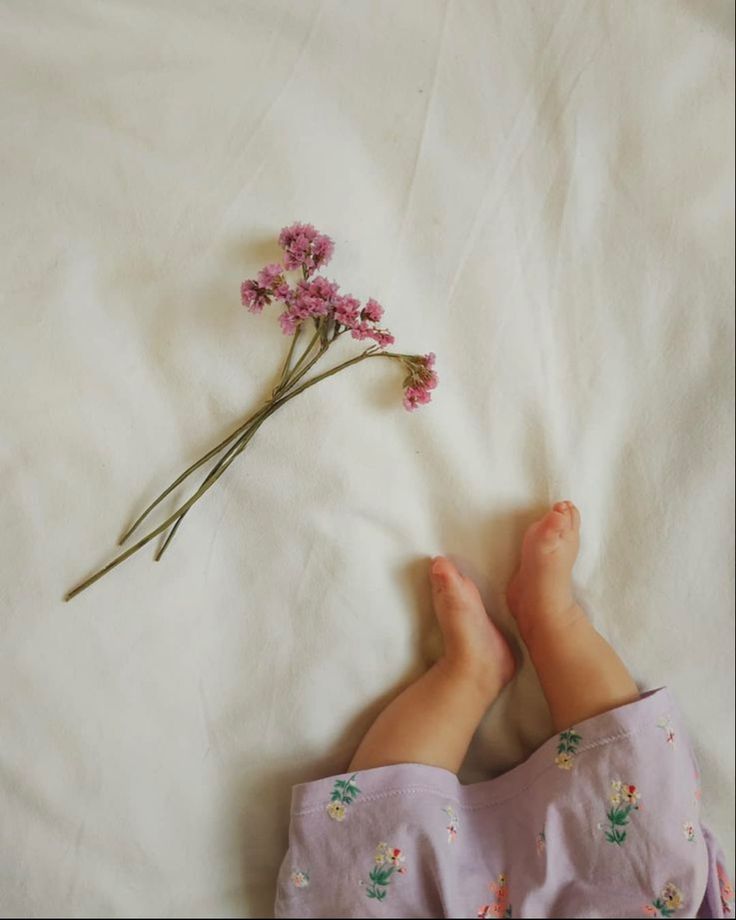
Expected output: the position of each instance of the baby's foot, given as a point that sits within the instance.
(540, 594)
(474, 647)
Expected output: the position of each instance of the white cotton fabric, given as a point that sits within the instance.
(542, 193)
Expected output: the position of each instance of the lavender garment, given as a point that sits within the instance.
(601, 821)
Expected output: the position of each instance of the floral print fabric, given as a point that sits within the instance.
(602, 821)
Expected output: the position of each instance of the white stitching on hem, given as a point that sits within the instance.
(430, 790)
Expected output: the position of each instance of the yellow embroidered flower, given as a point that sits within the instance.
(380, 859)
(336, 810)
(672, 896)
(564, 761)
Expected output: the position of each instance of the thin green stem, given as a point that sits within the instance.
(287, 362)
(188, 472)
(213, 472)
(209, 482)
(303, 357)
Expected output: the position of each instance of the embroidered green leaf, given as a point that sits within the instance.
(620, 816)
(381, 894)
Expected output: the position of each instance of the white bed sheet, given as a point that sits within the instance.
(541, 193)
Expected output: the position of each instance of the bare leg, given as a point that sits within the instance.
(434, 719)
(580, 673)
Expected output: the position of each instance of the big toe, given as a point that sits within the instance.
(557, 527)
(569, 512)
(449, 590)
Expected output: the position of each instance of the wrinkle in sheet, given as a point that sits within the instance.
(422, 137)
(522, 133)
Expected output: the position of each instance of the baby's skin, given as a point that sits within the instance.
(433, 720)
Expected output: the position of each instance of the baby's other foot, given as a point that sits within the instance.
(474, 646)
(540, 594)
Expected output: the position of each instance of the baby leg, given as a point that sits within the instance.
(580, 673)
(433, 720)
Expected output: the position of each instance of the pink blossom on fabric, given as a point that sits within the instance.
(310, 299)
(414, 397)
(272, 279)
(365, 330)
(383, 337)
(421, 381)
(253, 296)
(361, 331)
(288, 322)
(305, 248)
(372, 311)
(347, 310)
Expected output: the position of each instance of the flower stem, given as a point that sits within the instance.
(287, 362)
(188, 472)
(291, 379)
(212, 479)
(213, 472)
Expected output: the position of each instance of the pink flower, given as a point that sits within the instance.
(253, 296)
(272, 278)
(364, 330)
(372, 311)
(347, 310)
(361, 331)
(414, 397)
(288, 322)
(650, 910)
(421, 381)
(305, 248)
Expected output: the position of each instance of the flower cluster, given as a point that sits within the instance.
(567, 748)
(501, 907)
(453, 823)
(391, 856)
(688, 829)
(624, 793)
(387, 862)
(313, 301)
(727, 892)
(344, 794)
(300, 879)
(667, 904)
(420, 382)
(624, 799)
(306, 249)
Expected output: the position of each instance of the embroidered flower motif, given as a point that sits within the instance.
(388, 860)
(667, 904)
(344, 793)
(300, 879)
(665, 723)
(688, 829)
(624, 798)
(567, 748)
(336, 810)
(500, 907)
(727, 893)
(541, 842)
(453, 823)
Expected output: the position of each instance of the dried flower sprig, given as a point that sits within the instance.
(313, 304)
